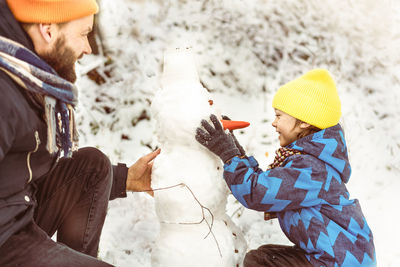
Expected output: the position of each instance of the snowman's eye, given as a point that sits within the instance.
(211, 102)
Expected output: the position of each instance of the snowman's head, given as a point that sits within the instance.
(182, 102)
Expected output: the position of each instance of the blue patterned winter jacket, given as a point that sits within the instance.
(309, 195)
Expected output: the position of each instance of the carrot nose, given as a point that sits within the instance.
(233, 125)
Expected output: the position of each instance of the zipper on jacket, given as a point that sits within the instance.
(28, 158)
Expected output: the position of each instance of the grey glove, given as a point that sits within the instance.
(242, 152)
(216, 140)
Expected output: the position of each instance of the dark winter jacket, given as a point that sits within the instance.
(23, 137)
(309, 195)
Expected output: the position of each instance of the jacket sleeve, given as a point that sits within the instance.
(120, 174)
(8, 122)
(279, 189)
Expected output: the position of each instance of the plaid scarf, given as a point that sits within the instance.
(281, 154)
(60, 96)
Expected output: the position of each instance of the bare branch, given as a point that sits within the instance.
(204, 219)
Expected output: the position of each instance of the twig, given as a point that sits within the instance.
(202, 212)
(237, 210)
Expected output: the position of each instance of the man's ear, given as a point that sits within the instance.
(47, 31)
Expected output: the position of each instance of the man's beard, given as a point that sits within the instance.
(62, 59)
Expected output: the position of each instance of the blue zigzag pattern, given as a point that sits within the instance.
(291, 218)
(232, 167)
(273, 184)
(334, 230)
(351, 261)
(308, 214)
(243, 189)
(295, 146)
(331, 173)
(324, 243)
(305, 182)
(309, 248)
(343, 201)
(344, 148)
(355, 228)
(327, 153)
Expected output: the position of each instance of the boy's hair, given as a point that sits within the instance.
(309, 130)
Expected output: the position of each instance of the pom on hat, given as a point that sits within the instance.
(312, 98)
(51, 11)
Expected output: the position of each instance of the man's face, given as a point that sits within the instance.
(71, 44)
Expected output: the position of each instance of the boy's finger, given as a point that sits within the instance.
(215, 121)
(207, 126)
(201, 136)
(225, 118)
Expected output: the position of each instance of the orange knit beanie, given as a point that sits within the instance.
(51, 11)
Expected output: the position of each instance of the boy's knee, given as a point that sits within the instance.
(251, 258)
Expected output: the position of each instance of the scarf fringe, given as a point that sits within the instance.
(50, 116)
(73, 130)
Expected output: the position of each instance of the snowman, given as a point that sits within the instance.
(190, 192)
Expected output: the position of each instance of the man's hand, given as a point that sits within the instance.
(139, 174)
(216, 140)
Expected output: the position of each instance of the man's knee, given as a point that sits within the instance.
(96, 161)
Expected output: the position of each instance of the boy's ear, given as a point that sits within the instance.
(304, 125)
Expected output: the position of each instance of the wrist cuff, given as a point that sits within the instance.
(120, 174)
(229, 154)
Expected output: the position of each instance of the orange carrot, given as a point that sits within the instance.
(233, 125)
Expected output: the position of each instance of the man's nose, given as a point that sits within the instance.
(88, 48)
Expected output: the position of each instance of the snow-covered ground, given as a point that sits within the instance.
(245, 50)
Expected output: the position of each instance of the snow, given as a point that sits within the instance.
(245, 50)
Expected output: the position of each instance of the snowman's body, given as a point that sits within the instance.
(185, 211)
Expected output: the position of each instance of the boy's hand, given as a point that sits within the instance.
(216, 140)
(242, 152)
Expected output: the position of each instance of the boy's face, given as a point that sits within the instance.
(287, 128)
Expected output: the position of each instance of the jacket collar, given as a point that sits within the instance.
(329, 146)
(11, 28)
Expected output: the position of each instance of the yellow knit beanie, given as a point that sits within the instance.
(51, 11)
(312, 98)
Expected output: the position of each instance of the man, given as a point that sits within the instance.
(45, 187)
